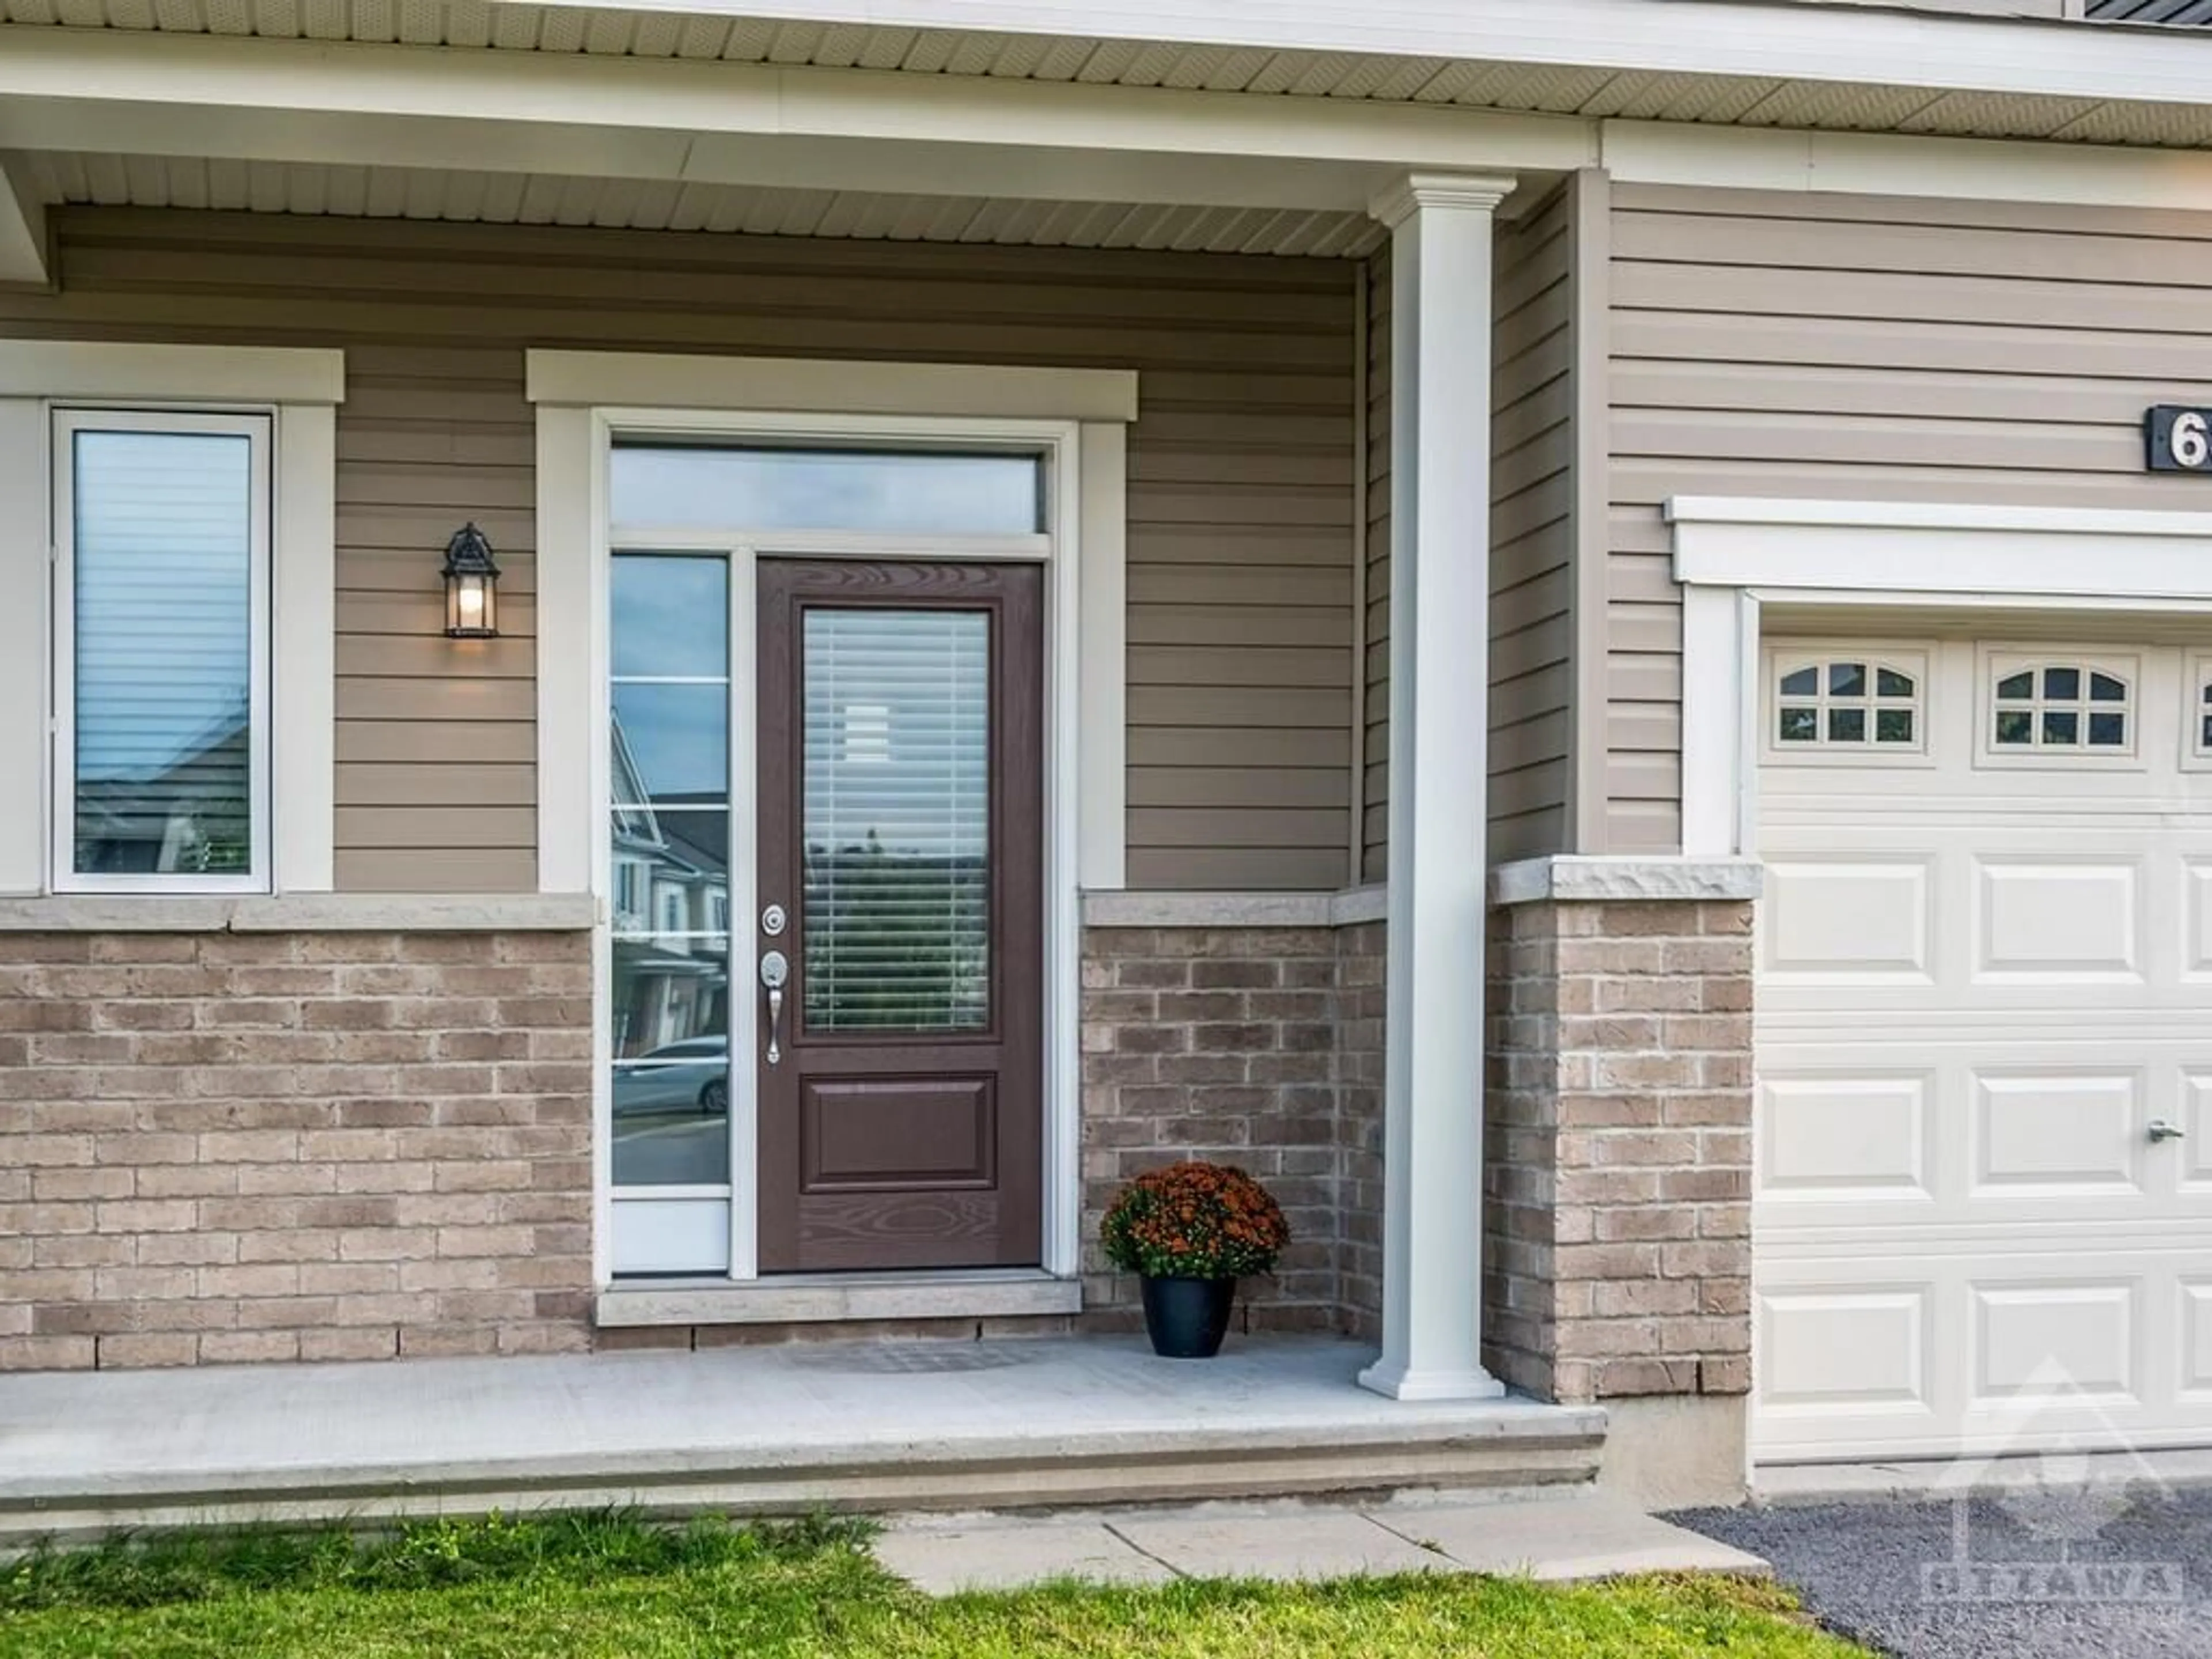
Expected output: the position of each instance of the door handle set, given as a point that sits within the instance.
(775, 973)
(2161, 1130)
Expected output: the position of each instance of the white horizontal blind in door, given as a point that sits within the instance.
(895, 819)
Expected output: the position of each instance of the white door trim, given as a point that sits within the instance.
(1732, 551)
(1084, 762)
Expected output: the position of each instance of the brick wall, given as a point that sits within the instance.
(1359, 960)
(1618, 1249)
(264, 1146)
(1225, 1044)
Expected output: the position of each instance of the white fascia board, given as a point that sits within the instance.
(141, 93)
(1695, 36)
(1899, 164)
(1924, 548)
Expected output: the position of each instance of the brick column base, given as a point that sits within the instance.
(1618, 1148)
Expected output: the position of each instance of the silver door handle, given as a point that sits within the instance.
(775, 970)
(2161, 1130)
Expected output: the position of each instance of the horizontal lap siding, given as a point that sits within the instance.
(1532, 543)
(1869, 349)
(1240, 565)
(1532, 536)
(1375, 785)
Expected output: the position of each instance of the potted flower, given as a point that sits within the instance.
(1190, 1232)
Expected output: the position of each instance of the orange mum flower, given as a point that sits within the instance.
(1195, 1220)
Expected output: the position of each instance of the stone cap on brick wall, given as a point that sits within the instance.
(302, 913)
(1566, 878)
(1348, 907)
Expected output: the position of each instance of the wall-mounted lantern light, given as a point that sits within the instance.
(471, 586)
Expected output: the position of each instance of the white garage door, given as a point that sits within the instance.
(1984, 1006)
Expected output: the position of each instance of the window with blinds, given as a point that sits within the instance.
(895, 817)
(162, 548)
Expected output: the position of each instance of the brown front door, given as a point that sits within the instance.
(901, 754)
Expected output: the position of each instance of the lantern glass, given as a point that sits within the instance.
(471, 607)
(471, 586)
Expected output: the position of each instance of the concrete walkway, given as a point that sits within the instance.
(870, 1425)
(1582, 1536)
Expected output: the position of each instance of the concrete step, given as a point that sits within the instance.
(852, 1426)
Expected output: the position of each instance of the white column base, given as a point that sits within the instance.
(1393, 1381)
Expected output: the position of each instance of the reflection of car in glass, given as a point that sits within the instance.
(691, 1076)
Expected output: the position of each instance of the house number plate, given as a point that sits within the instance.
(2178, 439)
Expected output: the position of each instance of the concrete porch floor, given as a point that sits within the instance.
(856, 1426)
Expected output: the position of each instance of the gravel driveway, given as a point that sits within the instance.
(2104, 1573)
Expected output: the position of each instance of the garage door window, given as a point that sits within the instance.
(1853, 704)
(2077, 707)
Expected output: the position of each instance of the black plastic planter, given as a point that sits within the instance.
(1187, 1318)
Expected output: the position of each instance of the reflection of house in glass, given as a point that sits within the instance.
(671, 914)
(135, 815)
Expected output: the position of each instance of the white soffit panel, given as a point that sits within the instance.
(75, 178)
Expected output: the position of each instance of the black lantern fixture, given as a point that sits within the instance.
(471, 586)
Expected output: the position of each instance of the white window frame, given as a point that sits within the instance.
(298, 392)
(2196, 673)
(1997, 660)
(1877, 654)
(259, 431)
(1077, 420)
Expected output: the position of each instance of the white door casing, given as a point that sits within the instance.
(1077, 420)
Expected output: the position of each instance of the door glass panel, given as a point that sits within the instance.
(668, 883)
(916, 492)
(895, 819)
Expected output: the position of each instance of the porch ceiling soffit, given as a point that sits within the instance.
(1819, 67)
(118, 92)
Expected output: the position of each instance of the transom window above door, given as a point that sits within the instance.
(933, 492)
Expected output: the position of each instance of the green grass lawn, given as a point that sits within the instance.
(597, 1586)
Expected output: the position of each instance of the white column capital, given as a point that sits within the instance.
(1423, 192)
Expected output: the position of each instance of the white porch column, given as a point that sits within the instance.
(1440, 322)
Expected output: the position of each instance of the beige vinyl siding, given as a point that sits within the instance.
(1869, 348)
(1532, 523)
(1240, 545)
(1375, 781)
(1532, 532)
